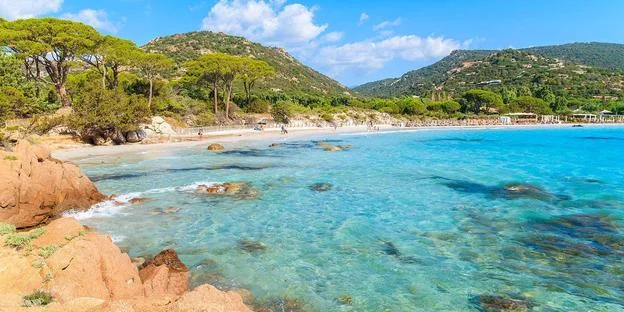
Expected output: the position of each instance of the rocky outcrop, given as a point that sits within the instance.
(158, 126)
(240, 190)
(165, 274)
(215, 147)
(37, 187)
(88, 272)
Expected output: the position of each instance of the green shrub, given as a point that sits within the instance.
(37, 298)
(18, 240)
(43, 125)
(259, 106)
(6, 228)
(205, 119)
(47, 250)
(327, 117)
(37, 232)
(281, 112)
(37, 263)
(100, 113)
(10, 158)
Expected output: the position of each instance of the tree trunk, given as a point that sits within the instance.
(215, 91)
(151, 95)
(104, 77)
(62, 93)
(247, 87)
(115, 81)
(227, 102)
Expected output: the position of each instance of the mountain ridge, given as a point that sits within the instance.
(292, 76)
(432, 78)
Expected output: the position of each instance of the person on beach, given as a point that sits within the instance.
(284, 131)
(200, 133)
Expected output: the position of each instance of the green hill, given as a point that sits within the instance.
(596, 54)
(291, 76)
(573, 70)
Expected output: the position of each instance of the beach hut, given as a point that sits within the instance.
(522, 117)
(585, 117)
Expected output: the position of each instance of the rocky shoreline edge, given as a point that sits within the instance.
(56, 264)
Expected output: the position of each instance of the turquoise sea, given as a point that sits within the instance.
(430, 220)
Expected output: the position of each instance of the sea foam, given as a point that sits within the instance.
(118, 204)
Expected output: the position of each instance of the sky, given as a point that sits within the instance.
(351, 41)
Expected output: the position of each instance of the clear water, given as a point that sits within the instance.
(415, 221)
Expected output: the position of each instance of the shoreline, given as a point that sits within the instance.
(273, 135)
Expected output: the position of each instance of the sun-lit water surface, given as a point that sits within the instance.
(414, 221)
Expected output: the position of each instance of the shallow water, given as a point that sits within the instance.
(407, 221)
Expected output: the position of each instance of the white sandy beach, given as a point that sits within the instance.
(240, 137)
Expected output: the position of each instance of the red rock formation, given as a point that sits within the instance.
(37, 187)
(89, 273)
(165, 275)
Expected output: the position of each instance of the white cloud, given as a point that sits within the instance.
(334, 36)
(96, 18)
(386, 24)
(267, 21)
(363, 18)
(372, 55)
(14, 9)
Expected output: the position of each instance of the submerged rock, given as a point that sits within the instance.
(275, 145)
(215, 147)
(250, 246)
(576, 235)
(242, 190)
(510, 191)
(495, 303)
(333, 149)
(390, 249)
(524, 190)
(280, 304)
(345, 299)
(138, 200)
(344, 147)
(321, 187)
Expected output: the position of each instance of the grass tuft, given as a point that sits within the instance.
(18, 240)
(6, 228)
(37, 232)
(37, 298)
(47, 251)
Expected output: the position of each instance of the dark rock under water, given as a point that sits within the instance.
(390, 249)
(510, 191)
(497, 303)
(284, 304)
(251, 246)
(576, 235)
(321, 187)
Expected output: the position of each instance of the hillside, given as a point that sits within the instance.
(577, 70)
(596, 54)
(291, 76)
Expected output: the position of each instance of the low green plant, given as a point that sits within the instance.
(37, 263)
(37, 232)
(12, 158)
(6, 228)
(47, 250)
(18, 240)
(37, 298)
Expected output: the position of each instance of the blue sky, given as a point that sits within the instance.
(352, 41)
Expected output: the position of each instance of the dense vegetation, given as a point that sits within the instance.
(596, 54)
(65, 75)
(564, 85)
(291, 77)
